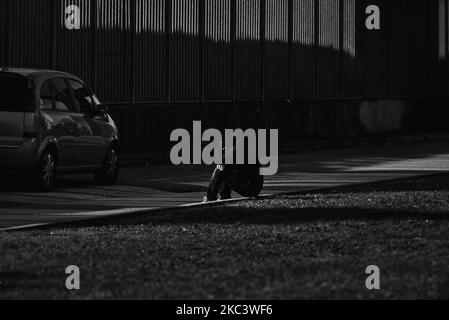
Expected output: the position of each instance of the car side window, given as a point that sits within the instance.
(61, 94)
(46, 95)
(83, 99)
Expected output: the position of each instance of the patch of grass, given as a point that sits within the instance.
(315, 245)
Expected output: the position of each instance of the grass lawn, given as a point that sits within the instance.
(314, 245)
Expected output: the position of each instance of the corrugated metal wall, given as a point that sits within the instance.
(437, 50)
(416, 47)
(364, 52)
(218, 70)
(113, 54)
(74, 50)
(30, 43)
(248, 50)
(184, 51)
(150, 51)
(303, 49)
(3, 32)
(276, 50)
(141, 51)
(397, 47)
(328, 71)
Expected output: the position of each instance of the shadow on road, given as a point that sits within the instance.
(294, 209)
(10, 182)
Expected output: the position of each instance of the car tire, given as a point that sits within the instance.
(109, 173)
(45, 172)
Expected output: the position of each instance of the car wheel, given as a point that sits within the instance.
(45, 173)
(110, 170)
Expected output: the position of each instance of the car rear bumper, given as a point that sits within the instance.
(23, 157)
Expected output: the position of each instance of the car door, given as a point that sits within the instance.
(92, 137)
(13, 93)
(57, 110)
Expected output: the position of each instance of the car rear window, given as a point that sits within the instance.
(16, 93)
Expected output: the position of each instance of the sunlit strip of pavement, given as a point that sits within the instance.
(145, 189)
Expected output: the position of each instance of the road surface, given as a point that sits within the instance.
(153, 187)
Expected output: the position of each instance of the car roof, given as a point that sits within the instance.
(36, 73)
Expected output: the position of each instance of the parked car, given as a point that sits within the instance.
(51, 122)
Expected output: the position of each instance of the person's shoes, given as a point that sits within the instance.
(206, 199)
(225, 197)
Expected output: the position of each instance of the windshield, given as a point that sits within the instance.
(16, 93)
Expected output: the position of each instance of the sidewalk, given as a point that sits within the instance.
(141, 189)
(162, 156)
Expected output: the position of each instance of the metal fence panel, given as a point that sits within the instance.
(351, 77)
(30, 31)
(276, 50)
(3, 34)
(365, 70)
(397, 47)
(248, 51)
(447, 48)
(113, 50)
(436, 47)
(416, 47)
(217, 50)
(328, 50)
(149, 51)
(73, 48)
(303, 49)
(184, 51)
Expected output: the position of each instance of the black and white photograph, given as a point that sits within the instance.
(224, 155)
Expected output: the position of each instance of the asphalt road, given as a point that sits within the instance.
(148, 188)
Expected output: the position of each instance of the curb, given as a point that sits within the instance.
(132, 213)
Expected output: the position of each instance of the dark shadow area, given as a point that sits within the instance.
(72, 206)
(277, 211)
(11, 182)
(21, 182)
(344, 159)
(170, 186)
(436, 182)
(236, 215)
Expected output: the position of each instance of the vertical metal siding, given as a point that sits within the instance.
(149, 51)
(140, 50)
(416, 47)
(447, 48)
(73, 49)
(349, 66)
(328, 69)
(303, 49)
(217, 50)
(397, 47)
(112, 49)
(30, 27)
(3, 34)
(184, 50)
(247, 56)
(276, 46)
(364, 55)
(436, 56)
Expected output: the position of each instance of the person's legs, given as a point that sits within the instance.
(226, 189)
(216, 183)
(247, 181)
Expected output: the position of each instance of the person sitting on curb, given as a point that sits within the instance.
(244, 179)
